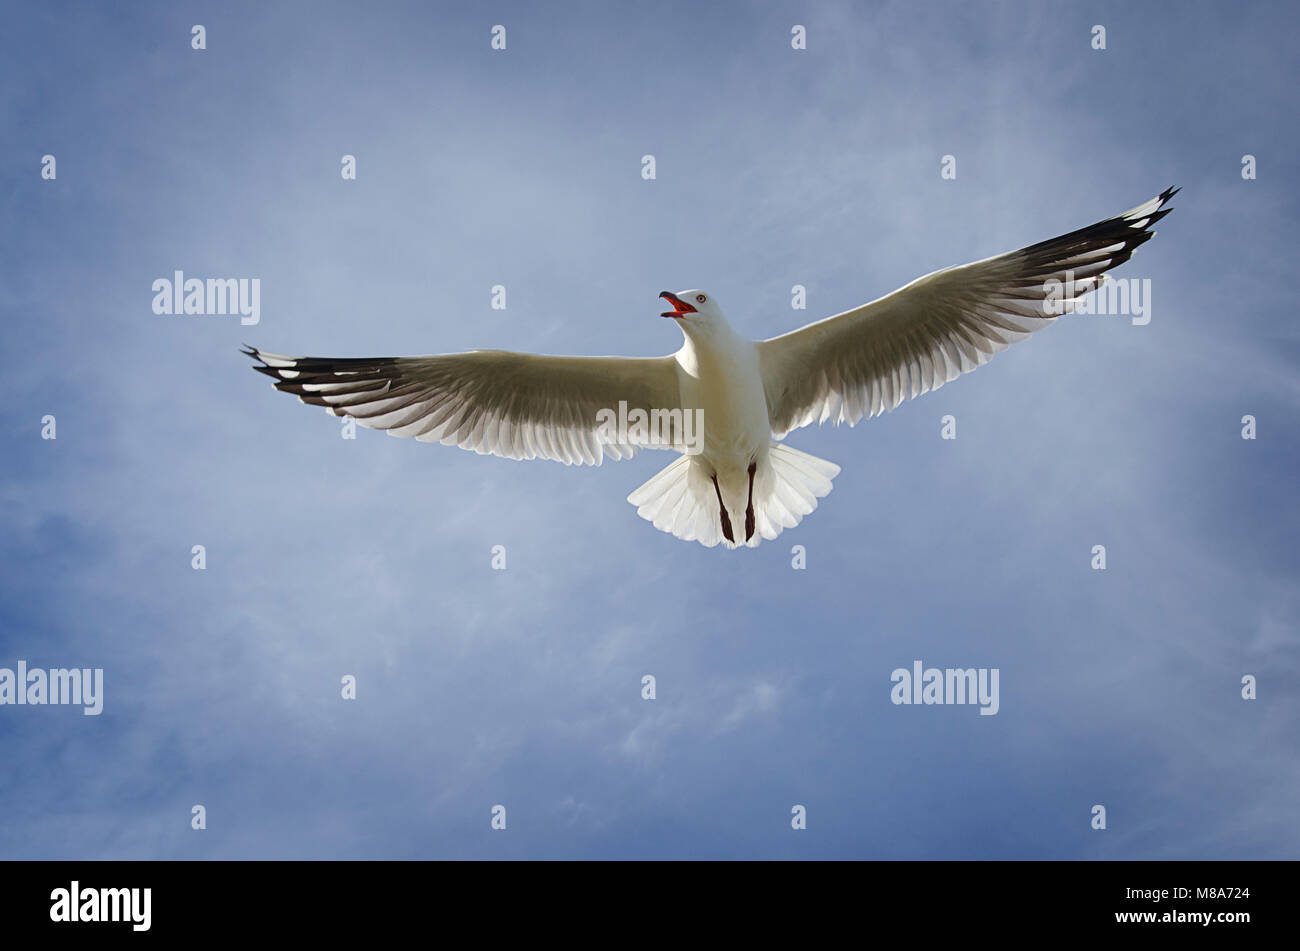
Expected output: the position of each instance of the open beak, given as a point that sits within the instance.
(680, 307)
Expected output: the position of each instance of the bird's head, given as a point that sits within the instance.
(693, 310)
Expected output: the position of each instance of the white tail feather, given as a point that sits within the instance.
(681, 499)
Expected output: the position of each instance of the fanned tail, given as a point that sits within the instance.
(681, 499)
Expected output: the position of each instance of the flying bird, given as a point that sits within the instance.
(733, 482)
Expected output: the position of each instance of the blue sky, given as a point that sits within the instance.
(521, 687)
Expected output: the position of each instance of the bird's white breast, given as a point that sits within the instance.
(722, 377)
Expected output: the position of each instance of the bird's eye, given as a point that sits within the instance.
(699, 298)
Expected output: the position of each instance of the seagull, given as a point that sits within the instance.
(734, 482)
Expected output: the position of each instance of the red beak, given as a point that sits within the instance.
(681, 308)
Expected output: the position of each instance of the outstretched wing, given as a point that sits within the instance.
(515, 405)
(866, 361)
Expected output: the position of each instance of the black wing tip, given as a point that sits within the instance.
(1126, 229)
(1162, 200)
(252, 352)
(1154, 217)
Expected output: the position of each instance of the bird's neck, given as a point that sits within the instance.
(713, 345)
(715, 335)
